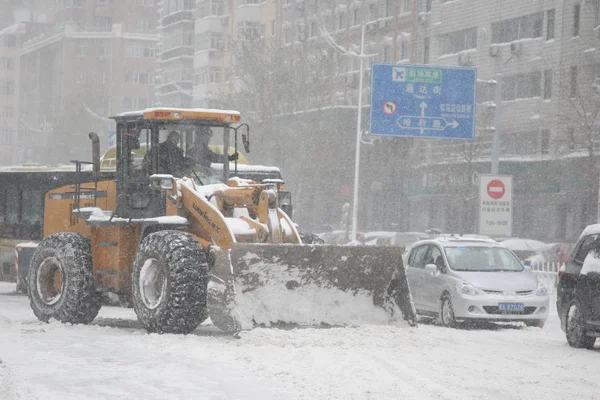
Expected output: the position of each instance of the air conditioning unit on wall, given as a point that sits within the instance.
(464, 59)
(516, 48)
(494, 50)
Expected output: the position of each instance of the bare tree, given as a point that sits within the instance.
(579, 86)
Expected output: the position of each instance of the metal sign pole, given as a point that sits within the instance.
(497, 118)
(358, 134)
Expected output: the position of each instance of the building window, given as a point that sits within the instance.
(388, 8)
(545, 142)
(73, 3)
(458, 41)
(7, 63)
(550, 24)
(427, 5)
(406, 6)
(597, 13)
(520, 143)
(547, 84)
(355, 17)
(209, 8)
(82, 48)
(573, 82)
(571, 138)
(103, 23)
(404, 49)
(509, 30)
(426, 51)
(8, 41)
(341, 21)
(143, 25)
(372, 12)
(137, 77)
(6, 112)
(523, 86)
(7, 88)
(576, 13)
(386, 54)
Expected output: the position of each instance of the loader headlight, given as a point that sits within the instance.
(163, 182)
(467, 289)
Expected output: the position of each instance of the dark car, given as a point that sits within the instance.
(578, 291)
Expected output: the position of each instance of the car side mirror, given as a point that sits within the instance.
(432, 269)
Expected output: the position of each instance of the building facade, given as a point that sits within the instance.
(545, 55)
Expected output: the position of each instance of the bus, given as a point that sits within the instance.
(22, 207)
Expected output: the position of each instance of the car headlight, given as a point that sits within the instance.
(541, 290)
(468, 289)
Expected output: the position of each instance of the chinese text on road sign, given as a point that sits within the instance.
(422, 101)
(495, 205)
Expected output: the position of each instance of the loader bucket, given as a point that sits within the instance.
(307, 285)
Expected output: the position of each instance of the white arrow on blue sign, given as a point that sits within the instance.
(430, 101)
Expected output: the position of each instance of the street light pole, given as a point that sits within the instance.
(358, 133)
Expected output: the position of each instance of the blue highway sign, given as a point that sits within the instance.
(423, 101)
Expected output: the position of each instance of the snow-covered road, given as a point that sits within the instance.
(115, 359)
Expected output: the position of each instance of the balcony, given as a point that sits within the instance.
(248, 12)
(179, 16)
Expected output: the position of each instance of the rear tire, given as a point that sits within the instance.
(61, 282)
(169, 283)
(575, 330)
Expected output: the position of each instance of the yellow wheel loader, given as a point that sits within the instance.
(195, 242)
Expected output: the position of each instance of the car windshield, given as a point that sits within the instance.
(482, 259)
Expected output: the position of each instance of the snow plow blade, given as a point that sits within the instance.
(308, 285)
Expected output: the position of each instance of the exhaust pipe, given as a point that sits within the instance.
(95, 152)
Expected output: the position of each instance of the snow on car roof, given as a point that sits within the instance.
(590, 230)
(461, 241)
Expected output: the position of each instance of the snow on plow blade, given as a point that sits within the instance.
(269, 284)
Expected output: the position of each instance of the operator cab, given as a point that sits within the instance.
(170, 141)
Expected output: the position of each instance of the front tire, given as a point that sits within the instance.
(447, 318)
(169, 283)
(575, 329)
(61, 282)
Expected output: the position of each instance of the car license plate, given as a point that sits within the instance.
(511, 307)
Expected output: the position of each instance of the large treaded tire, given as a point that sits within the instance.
(66, 258)
(171, 296)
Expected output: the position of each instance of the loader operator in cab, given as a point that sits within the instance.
(201, 154)
(170, 156)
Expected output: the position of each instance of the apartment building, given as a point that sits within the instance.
(220, 25)
(176, 53)
(15, 18)
(546, 56)
(93, 59)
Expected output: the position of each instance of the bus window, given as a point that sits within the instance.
(33, 205)
(12, 206)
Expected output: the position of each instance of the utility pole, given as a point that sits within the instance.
(362, 56)
(358, 133)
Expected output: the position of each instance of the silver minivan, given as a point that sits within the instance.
(464, 279)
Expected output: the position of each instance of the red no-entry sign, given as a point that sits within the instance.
(496, 189)
(495, 205)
